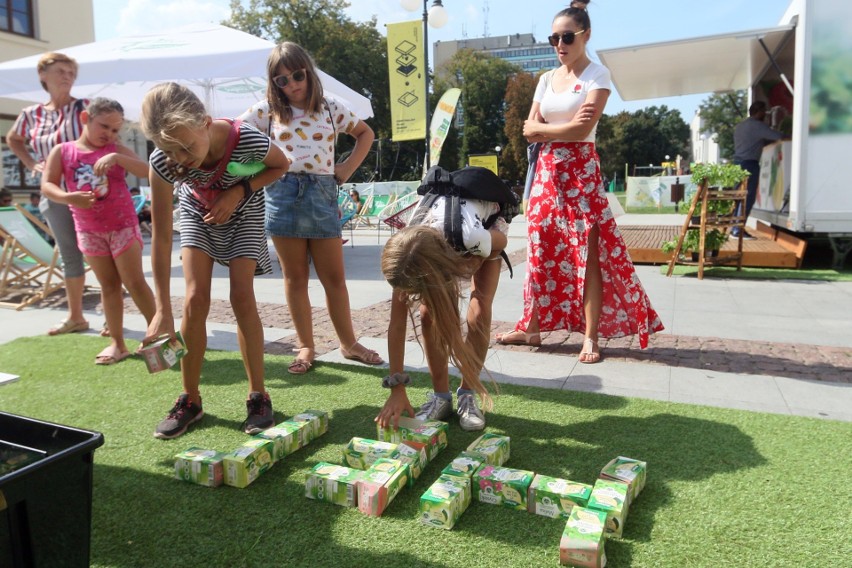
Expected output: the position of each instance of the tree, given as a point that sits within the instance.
(483, 81)
(720, 113)
(652, 133)
(352, 52)
(517, 102)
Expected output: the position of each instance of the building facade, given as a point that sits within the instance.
(32, 27)
(520, 49)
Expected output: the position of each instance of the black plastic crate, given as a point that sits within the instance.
(45, 493)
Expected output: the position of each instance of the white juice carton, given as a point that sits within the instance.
(380, 484)
(286, 438)
(414, 455)
(611, 497)
(502, 486)
(553, 497)
(433, 433)
(163, 354)
(444, 501)
(582, 542)
(627, 470)
(361, 453)
(494, 449)
(333, 483)
(200, 466)
(246, 463)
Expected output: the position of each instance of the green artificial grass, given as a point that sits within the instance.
(753, 273)
(725, 487)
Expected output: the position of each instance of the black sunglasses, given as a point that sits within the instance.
(284, 80)
(566, 37)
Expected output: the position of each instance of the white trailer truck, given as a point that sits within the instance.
(802, 68)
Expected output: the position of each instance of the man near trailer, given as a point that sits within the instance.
(750, 136)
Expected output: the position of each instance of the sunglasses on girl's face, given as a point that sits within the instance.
(566, 37)
(284, 80)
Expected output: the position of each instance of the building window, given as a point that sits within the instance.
(16, 16)
(15, 175)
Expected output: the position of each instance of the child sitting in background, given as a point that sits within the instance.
(93, 168)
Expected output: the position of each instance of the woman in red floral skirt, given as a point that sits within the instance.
(579, 274)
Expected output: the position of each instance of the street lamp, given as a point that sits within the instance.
(436, 16)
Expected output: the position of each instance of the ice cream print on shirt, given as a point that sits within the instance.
(86, 180)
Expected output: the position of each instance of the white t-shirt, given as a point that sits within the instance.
(559, 108)
(474, 212)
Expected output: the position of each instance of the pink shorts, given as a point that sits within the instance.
(108, 243)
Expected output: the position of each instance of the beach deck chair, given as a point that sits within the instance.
(348, 210)
(29, 266)
(397, 213)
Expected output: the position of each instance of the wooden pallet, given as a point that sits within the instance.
(767, 250)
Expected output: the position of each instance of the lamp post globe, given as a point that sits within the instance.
(410, 5)
(437, 15)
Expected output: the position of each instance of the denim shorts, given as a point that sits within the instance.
(303, 206)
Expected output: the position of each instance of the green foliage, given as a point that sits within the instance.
(718, 175)
(519, 94)
(713, 240)
(720, 113)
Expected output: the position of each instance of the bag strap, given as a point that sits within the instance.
(230, 144)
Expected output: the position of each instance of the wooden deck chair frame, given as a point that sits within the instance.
(29, 265)
(347, 213)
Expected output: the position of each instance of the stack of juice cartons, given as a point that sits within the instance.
(245, 464)
(444, 501)
(431, 433)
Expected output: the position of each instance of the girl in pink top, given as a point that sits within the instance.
(93, 168)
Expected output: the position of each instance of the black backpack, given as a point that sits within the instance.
(471, 182)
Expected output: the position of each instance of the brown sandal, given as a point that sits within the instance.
(361, 354)
(300, 365)
(519, 337)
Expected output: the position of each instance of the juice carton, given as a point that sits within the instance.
(380, 485)
(333, 483)
(414, 455)
(444, 501)
(493, 448)
(433, 433)
(464, 483)
(611, 498)
(502, 486)
(162, 355)
(303, 431)
(463, 465)
(582, 541)
(361, 453)
(318, 420)
(200, 466)
(553, 497)
(286, 438)
(629, 471)
(246, 463)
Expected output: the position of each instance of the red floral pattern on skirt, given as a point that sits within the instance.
(567, 199)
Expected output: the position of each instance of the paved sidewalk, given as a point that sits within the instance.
(780, 347)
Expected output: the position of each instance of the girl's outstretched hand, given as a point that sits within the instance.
(395, 405)
(160, 326)
(224, 205)
(104, 163)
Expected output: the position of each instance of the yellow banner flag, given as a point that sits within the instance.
(483, 161)
(441, 120)
(407, 80)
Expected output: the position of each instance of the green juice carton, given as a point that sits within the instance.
(611, 497)
(246, 463)
(333, 483)
(200, 466)
(464, 465)
(414, 455)
(318, 419)
(162, 354)
(492, 448)
(433, 433)
(629, 471)
(582, 542)
(380, 484)
(361, 453)
(553, 497)
(303, 431)
(286, 438)
(444, 501)
(502, 486)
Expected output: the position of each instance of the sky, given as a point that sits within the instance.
(615, 23)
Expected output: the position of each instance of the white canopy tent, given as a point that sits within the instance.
(224, 66)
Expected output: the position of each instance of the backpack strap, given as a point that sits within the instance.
(204, 193)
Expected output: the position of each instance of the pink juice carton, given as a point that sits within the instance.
(163, 354)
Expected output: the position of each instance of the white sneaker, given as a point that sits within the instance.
(435, 408)
(471, 418)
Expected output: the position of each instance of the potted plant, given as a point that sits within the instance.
(726, 176)
(713, 241)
